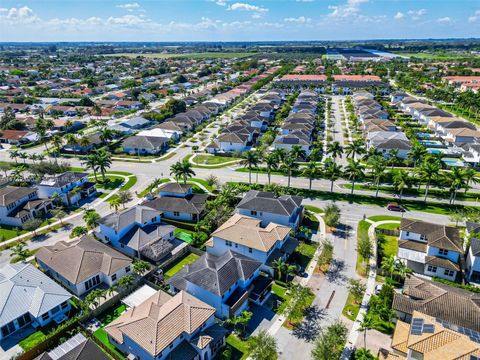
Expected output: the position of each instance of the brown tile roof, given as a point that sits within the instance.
(244, 230)
(441, 262)
(81, 259)
(159, 320)
(440, 236)
(412, 245)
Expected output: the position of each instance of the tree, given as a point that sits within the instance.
(311, 172)
(354, 171)
(377, 166)
(393, 157)
(334, 149)
(78, 231)
(297, 302)
(213, 181)
(366, 324)
(182, 169)
(32, 225)
(428, 172)
(91, 218)
(114, 203)
(280, 266)
(388, 265)
(59, 214)
(250, 160)
(91, 162)
(363, 354)
(104, 161)
(297, 152)
(56, 198)
(20, 252)
(262, 346)
(402, 180)
(271, 161)
(330, 342)
(457, 181)
(365, 248)
(354, 148)
(332, 171)
(126, 281)
(124, 197)
(331, 215)
(240, 322)
(357, 289)
(93, 298)
(14, 154)
(140, 267)
(288, 166)
(416, 153)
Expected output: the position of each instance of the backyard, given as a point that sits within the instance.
(178, 265)
(105, 319)
(303, 254)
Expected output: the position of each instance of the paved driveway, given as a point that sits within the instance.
(261, 318)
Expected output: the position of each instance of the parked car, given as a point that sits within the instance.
(395, 207)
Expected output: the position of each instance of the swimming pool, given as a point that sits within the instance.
(432, 143)
(425, 135)
(453, 162)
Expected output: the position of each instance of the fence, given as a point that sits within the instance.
(389, 232)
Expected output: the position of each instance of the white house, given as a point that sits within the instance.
(28, 297)
(166, 327)
(83, 264)
(71, 186)
(430, 249)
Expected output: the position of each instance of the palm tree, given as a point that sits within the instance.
(280, 154)
(250, 160)
(377, 166)
(365, 325)
(126, 281)
(23, 156)
(182, 169)
(417, 152)
(428, 172)
(354, 148)
(84, 142)
(457, 178)
(392, 157)
(354, 170)
(91, 218)
(279, 265)
(140, 267)
(297, 152)
(388, 264)
(20, 251)
(470, 177)
(334, 149)
(402, 180)
(91, 162)
(311, 172)
(14, 154)
(104, 161)
(106, 135)
(288, 166)
(124, 197)
(33, 157)
(114, 203)
(271, 161)
(332, 171)
(71, 140)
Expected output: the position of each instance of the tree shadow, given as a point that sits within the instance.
(309, 328)
(335, 272)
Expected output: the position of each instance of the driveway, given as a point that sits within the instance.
(261, 318)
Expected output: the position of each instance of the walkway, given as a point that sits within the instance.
(370, 289)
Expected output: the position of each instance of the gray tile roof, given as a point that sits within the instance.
(10, 194)
(140, 237)
(193, 204)
(216, 274)
(60, 180)
(267, 202)
(76, 348)
(175, 188)
(137, 214)
(25, 289)
(475, 246)
(144, 142)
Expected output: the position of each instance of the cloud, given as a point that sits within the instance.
(298, 20)
(127, 20)
(129, 6)
(350, 8)
(399, 15)
(21, 15)
(220, 2)
(475, 17)
(258, 11)
(416, 14)
(444, 20)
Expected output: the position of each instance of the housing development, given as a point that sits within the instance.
(238, 200)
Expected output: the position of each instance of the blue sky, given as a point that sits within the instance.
(232, 20)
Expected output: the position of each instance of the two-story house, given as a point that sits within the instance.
(168, 327)
(28, 297)
(246, 236)
(71, 186)
(223, 282)
(284, 210)
(178, 202)
(83, 264)
(19, 204)
(430, 249)
(138, 232)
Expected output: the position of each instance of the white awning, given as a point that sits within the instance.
(139, 296)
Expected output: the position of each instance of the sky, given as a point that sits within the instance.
(232, 20)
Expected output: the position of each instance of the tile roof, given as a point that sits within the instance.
(10, 194)
(138, 214)
(247, 231)
(24, 288)
(81, 259)
(158, 321)
(144, 142)
(191, 204)
(76, 348)
(60, 180)
(268, 202)
(439, 236)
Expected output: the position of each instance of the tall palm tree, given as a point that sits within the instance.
(114, 203)
(377, 166)
(84, 142)
(402, 180)
(271, 162)
(332, 171)
(311, 172)
(417, 152)
(280, 154)
(470, 177)
(457, 181)
(288, 165)
(388, 264)
(104, 161)
(280, 266)
(91, 218)
(182, 169)
(91, 162)
(14, 154)
(354, 170)
(428, 172)
(356, 147)
(23, 156)
(106, 135)
(250, 160)
(366, 324)
(392, 157)
(334, 149)
(297, 152)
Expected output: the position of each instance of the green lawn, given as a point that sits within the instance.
(176, 267)
(213, 159)
(239, 347)
(303, 254)
(390, 246)
(362, 231)
(111, 314)
(131, 181)
(313, 209)
(351, 309)
(101, 335)
(33, 340)
(184, 235)
(9, 232)
(377, 218)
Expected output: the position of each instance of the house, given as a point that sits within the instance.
(28, 297)
(462, 135)
(71, 186)
(230, 142)
(458, 307)
(144, 145)
(83, 264)
(168, 327)
(427, 337)
(14, 137)
(138, 232)
(78, 347)
(430, 249)
(223, 282)
(472, 271)
(19, 204)
(136, 123)
(295, 138)
(285, 210)
(246, 236)
(384, 141)
(178, 202)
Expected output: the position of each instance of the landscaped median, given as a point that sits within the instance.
(206, 161)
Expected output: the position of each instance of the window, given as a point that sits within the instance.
(127, 269)
(443, 252)
(253, 212)
(448, 273)
(114, 277)
(250, 250)
(176, 213)
(64, 305)
(55, 310)
(423, 237)
(8, 329)
(45, 316)
(432, 269)
(408, 233)
(228, 243)
(23, 320)
(90, 283)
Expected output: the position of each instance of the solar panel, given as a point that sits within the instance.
(417, 321)
(416, 331)
(473, 357)
(428, 328)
